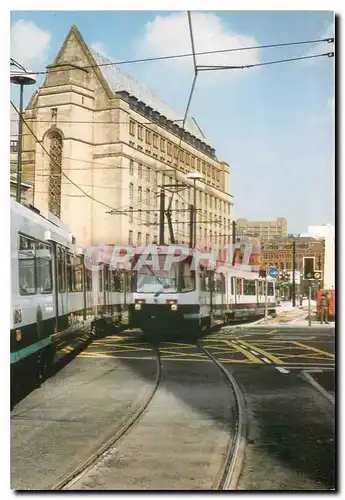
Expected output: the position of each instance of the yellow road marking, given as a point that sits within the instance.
(315, 349)
(261, 351)
(247, 354)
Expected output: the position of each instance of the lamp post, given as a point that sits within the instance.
(194, 176)
(294, 270)
(20, 77)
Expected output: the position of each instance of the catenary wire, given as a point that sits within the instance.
(178, 56)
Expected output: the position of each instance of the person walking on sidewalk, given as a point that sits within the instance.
(324, 308)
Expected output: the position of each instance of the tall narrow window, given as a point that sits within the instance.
(131, 167)
(140, 193)
(131, 191)
(54, 192)
(130, 238)
(132, 127)
(130, 214)
(139, 239)
(140, 171)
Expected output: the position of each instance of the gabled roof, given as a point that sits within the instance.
(121, 81)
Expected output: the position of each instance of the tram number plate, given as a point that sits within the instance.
(153, 317)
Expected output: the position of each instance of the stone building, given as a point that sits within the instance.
(112, 144)
(265, 230)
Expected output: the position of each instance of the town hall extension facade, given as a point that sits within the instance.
(112, 144)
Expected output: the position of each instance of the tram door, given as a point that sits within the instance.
(62, 287)
(106, 287)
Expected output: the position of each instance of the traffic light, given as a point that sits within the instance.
(308, 268)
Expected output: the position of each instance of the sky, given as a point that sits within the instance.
(273, 124)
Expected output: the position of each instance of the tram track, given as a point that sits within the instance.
(71, 478)
(228, 473)
(229, 476)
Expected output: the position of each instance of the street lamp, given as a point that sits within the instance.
(21, 77)
(194, 176)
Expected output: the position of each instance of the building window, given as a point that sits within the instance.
(147, 239)
(130, 214)
(140, 171)
(131, 191)
(208, 171)
(139, 239)
(54, 190)
(131, 167)
(203, 168)
(148, 136)
(163, 145)
(147, 196)
(192, 161)
(147, 217)
(212, 169)
(140, 132)
(140, 195)
(130, 238)
(187, 158)
(169, 148)
(131, 127)
(140, 216)
(198, 164)
(155, 140)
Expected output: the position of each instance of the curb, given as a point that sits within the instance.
(318, 387)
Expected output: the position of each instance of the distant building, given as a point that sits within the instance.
(326, 232)
(265, 230)
(278, 253)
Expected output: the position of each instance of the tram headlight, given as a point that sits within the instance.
(137, 306)
(173, 307)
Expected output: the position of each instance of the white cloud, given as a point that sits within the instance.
(321, 48)
(101, 49)
(29, 44)
(169, 34)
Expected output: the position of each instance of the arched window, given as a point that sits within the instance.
(55, 161)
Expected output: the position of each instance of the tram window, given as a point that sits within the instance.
(44, 268)
(100, 280)
(26, 261)
(222, 284)
(187, 278)
(233, 285)
(77, 274)
(106, 279)
(128, 281)
(88, 279)
(118, 283)
(270, 289)
(239, 286)
(249, 287)
(69, 264)
(61, 269)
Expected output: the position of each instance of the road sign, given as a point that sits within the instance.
(273, 272)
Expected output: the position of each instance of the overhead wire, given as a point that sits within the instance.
(249, 66)
(184, 55)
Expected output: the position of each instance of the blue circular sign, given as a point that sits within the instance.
(273, 272)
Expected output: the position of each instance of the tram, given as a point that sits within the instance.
(55, 296)
(187, 295)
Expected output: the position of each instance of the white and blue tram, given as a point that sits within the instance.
(187, 296)
(54, 296)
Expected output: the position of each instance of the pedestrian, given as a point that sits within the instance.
(301, 300)
(324, 308)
